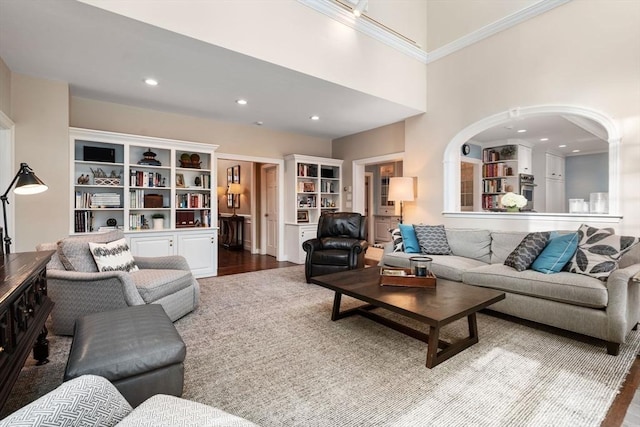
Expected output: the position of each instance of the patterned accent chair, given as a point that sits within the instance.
(340, 244)
(77, 287)
(90, 400)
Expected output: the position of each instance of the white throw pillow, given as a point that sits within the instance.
(113, 256)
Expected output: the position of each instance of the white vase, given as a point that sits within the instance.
(158, 223)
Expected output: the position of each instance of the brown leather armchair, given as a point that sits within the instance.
(340, 244)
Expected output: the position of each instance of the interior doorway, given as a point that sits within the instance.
(269, 220)
(6, 170)
(368, 204)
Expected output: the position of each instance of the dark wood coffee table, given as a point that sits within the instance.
(437, 307)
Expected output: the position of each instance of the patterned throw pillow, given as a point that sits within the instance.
(527, 250)
(599, 251)
(113, 256)
(432, 239)
(396, 238)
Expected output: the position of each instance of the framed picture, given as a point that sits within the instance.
(179, 180)
(303, 216)
(233, 177)
(309, 187)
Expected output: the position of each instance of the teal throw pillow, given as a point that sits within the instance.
(411, 245)
(556, 254)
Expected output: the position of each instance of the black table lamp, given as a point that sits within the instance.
(26, 183)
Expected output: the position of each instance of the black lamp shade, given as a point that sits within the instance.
(28, 182)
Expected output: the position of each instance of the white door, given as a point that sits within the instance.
(271, 212)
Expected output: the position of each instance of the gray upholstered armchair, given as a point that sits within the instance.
(339, 245)
(77, 287)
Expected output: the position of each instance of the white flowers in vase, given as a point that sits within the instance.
(512, 200)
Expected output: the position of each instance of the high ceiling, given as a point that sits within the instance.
(105, 56)
(564, 134)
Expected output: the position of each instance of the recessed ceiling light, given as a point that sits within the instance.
(544, 139)
(575, 151)
(315, 117)
(562, 146)
(151, 82)
(522, 130)
(258, 123)
(241, 101)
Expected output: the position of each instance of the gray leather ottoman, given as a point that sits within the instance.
(136, 348)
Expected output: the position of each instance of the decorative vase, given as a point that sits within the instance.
(513, 209)
(158, 223)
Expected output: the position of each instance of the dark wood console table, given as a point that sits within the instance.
(24, 308)
(232, 232)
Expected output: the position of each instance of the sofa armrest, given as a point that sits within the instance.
(623, 308)
(171, 262)
(88, 400)
(76, 294)
(311, 245)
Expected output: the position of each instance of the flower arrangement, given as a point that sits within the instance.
(512, 200)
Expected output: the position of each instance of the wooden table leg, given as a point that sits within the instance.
(335, 313)
(432, 346)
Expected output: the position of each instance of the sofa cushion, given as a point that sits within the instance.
(74, 251)
(409, 239)
(432, 239)
(155, 284)
(503, 243)
(527, 250)
(565, 287)
(470, 243)
(599, 251)
(163, 410)
(113, 256)
(556, 254)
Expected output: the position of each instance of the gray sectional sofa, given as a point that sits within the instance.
(606, 310)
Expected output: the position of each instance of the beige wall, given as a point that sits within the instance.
(449, 20)
(232, 138)
(384, 140)
(5, 88)
(584, 53)
(292, 35)
(40, 111)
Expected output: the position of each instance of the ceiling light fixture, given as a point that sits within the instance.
(258, 123)
(522, 130)
(562, 146)
(241, 101)
(151, 82)
(544, 139)
(575, 151)
(314, 117)
(361, 6)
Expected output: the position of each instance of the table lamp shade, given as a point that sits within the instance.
(235, 188)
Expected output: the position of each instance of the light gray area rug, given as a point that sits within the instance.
(262, 345)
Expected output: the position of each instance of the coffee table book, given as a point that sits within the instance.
(405, 277)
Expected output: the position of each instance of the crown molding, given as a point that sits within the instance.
(367, 26)
(387, 36)
(495, 27)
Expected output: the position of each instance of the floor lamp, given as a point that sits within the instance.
(401, 190)
(26, 183)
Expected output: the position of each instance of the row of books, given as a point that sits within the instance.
(496, 169)
(193, 200)
(491, 201)
(138, 222)
(97, 200)
(83, 222)
(146, 179)
(498, 185)
(307, 170)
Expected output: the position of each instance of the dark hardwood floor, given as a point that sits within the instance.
(234, 262)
